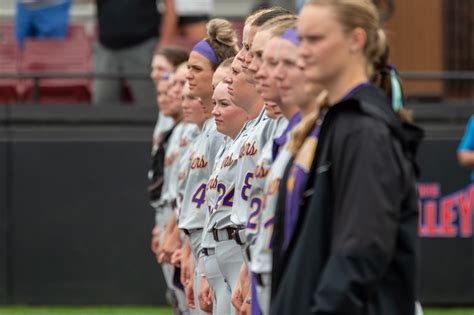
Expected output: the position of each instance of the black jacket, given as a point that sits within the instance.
(157, 169)
(354, 249)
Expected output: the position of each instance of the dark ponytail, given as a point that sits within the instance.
(387, 78)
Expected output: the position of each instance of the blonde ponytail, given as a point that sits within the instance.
(303, 129)
(222, 38)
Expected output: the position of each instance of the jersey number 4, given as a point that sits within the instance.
(199, 196)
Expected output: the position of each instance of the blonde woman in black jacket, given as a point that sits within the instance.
(348, 212)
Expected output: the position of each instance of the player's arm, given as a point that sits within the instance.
(188, 287)
(365, 218)
(239, 292)
(173, 241)
(466, 147)
(205, 296)
(185, 262)
(466, 158)
(172, 223)
(169, 228)
(169, 22)
(155, 239)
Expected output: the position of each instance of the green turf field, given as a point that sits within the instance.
(102, 310)
(114, 310)
(449, 311)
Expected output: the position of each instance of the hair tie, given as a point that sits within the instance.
(204, 49)
(221, 41)
(292, 36)
(397, 101)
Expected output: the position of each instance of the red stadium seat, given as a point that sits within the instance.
(71, 55)
(8, 64)
(7, 33)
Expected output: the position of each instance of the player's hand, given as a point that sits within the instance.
(160, 253)
(246, 306)
(205, 296)
(155, 239)
(185, 268)
(189, 291)
(245, 287)
(241, 289)
(172, 244)
(176, 258)
(237, 298)
(189, 286)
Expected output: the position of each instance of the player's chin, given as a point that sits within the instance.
(221, 126)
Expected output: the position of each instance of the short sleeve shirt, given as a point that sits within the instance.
(467, 142)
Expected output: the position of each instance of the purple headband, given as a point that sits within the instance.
(292, 36)
(205, 49)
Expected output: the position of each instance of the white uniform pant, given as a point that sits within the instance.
(264, 292)
(229, 258)
(168, 273)
(162, 218)
(418, 308)
(195, 243)
(222, 292)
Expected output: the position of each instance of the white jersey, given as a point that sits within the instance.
(201, 163)
(223, 162)
(221, 185)
(260, 174)
(261, 251)
(183, 172)
(163, 123)
(180, 138)
(249, 153)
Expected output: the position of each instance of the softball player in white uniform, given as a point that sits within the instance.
(261, 171)
(206, 56)
(264, 64)
(249, 153)
(211, 270)
(193, 209)
(300, 96)
(220, 191)
(220, 195)
(228, 235)
(181, 135)
(202, 159)
(261, 253)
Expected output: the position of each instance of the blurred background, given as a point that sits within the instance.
(74, 217)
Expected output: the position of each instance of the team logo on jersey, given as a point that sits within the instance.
(198, 162)
(248, 149)
(212, 184)
(228, 161)
(261, 171)
(171, 158)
